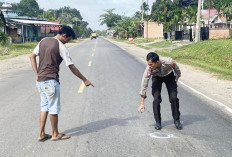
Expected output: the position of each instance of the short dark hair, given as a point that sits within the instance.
(68, 31)
(152, 56)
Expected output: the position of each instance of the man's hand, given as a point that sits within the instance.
(173, 64)
(141, 108)
(36, 75)
(87, 83)
(176, 80)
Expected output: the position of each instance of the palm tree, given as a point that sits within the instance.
(109, 18)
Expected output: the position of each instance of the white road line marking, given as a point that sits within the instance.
(219, 103)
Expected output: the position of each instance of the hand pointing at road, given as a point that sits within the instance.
(88, 83)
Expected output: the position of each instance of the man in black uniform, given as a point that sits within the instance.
(162, 69)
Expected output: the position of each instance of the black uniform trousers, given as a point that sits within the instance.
(171, 85)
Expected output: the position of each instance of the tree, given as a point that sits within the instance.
(162, 12)
(173, 12)
(177, 16)
(127, 27)
(82, 30)
(190, 14)
(227, 11)
(224, 8)
(1, 22)
(109, 18)
(3, 38)
(50, 15)
(138, 15)
(2, 35)
(145, 7)
(27, 8)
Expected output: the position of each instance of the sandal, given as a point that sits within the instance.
(45, 138)
(61, 137)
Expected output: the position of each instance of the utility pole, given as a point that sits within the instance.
(142, 11)
(209, 12)
(43, 12)
(197, 38)
(142, 21)
(147, 21)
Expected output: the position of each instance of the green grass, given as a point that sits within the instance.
(211, 55)
(144, 47)
(74, 41)
(16, 49)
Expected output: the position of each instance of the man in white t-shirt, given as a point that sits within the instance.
(52, 52)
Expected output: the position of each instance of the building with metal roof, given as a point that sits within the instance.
(24, 28)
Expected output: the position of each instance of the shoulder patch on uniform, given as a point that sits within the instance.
(148, 74)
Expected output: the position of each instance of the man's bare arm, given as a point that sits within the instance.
(141, 107)
(76, 72)
(34, 64)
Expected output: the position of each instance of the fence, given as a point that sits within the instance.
(179, 35)
(219, 33)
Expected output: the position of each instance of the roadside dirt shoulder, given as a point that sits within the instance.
(204, 82)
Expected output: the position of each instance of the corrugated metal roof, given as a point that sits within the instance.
(35, 22)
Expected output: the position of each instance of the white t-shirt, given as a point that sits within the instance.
(64, 53)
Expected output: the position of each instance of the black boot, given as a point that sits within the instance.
(158, 126)
(178, 124)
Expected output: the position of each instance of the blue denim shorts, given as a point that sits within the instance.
(49, 95)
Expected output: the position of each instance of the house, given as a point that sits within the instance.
(23, 28)
(211, 18)
(217, 24)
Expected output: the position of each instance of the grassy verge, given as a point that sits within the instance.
(211, 55)
(16, 49)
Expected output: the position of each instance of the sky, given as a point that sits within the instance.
(91, 9)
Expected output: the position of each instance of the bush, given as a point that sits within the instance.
(4, 51)
(3, 38)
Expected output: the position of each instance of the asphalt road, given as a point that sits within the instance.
(103, 121)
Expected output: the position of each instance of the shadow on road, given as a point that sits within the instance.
(185, 119)
(98, 125)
